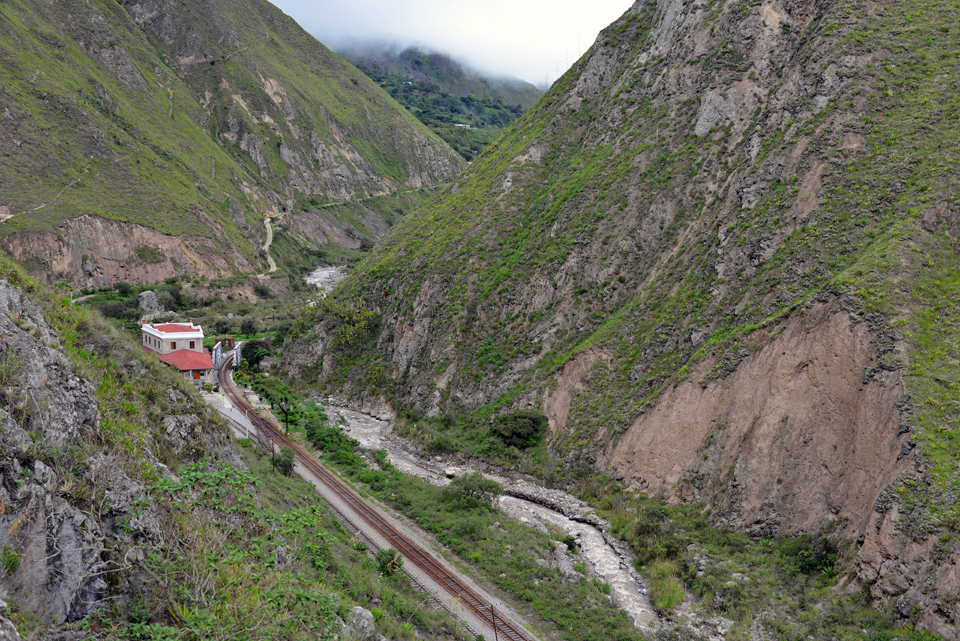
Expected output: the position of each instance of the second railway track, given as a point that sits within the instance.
(267, 435)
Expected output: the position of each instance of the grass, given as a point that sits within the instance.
(666, 590)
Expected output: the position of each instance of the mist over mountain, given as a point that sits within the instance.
(465, 107)
(147, 140)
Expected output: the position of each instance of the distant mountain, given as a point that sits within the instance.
(464, 107)
(177, 126)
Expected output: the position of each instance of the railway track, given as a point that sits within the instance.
(268, 436)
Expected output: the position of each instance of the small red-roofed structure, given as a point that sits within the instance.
(180, 345)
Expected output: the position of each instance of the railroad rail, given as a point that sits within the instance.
(267, 435)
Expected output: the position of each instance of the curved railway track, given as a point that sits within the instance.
(268, 436)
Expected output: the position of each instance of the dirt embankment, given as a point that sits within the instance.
(794, 439)
(91, 251)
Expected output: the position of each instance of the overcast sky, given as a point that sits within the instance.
(535, 40)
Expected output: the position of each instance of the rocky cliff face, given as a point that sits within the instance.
(172, 129)
(75, 513)
(713, 256)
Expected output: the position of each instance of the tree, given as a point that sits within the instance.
(471, 491)
(284, 461)
(223, 326)
(389, 561)
(248, 327)
(255, 351)
(520, 429)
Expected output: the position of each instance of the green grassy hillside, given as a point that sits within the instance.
(190, 118)
(709, 176)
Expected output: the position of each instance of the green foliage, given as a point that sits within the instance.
(666, 590)
(471, 491)
(467, 111)
(255, 351)
(389, 561)
(10, 560)
(520, 429)
(248, 327)
(285, 461)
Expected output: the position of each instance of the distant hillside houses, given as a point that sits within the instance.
(180, 345)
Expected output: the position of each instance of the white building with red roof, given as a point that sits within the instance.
(180, 345)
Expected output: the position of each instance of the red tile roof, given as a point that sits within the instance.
(185, 360)
(173, 328)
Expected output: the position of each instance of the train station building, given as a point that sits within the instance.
(180, 345)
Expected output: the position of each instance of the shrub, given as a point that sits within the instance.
(285, 460)
(519, 429)
(389, 561)
(248, 327)
(255, 351)
(471, 491)
(441, 445)
(223, 326)
(10, 560)
(666, 591)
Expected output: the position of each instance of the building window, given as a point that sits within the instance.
(193, 344)
(173, 345)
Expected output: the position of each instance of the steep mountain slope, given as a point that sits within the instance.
(719, 255)
(466, 108)
(179, 126)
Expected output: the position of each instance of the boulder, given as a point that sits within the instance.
(360, 626)
(147, 301)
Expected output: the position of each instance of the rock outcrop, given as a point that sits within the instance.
(72, 518)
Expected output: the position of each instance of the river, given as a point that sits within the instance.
(604, 557)
(326, 278)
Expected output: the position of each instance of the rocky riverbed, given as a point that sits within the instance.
(326, 278)
(542, 508)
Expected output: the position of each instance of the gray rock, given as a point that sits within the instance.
(359, 626)
(8, 631)
(909, 601)
(147, 301)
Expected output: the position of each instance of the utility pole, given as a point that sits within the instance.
(286, 418)
(496, 637)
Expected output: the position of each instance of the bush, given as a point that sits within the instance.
(255, 351)
(10, 560)
(223, 326)
(471, 491)
(285, 460)
(441, 445)
(248, 327)
(666, 591)
(519, 429)
(389, 561)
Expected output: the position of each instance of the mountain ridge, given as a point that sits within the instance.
(711, 183)
(196, 119)
(467, 108)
